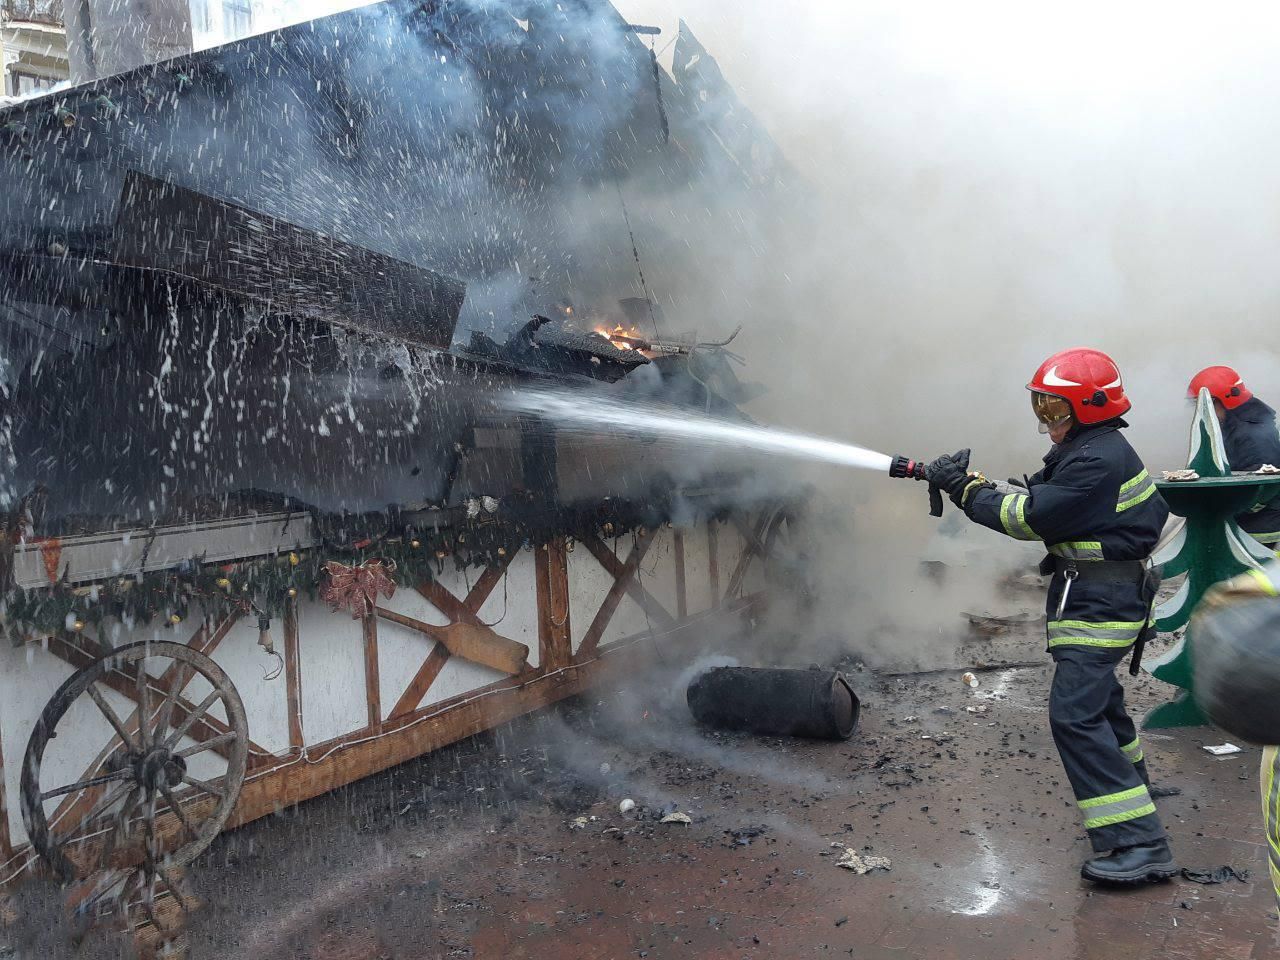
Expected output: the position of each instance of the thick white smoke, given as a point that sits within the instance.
(993, 182)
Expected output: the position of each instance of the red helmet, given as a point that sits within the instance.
(1224, 384)
(1089, 380)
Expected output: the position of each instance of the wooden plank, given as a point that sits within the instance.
(372, 679)
(622, 575)
(421, 682)
(682, 586)
(553, 604)
(618, 570)
(752, 545)
(479, 644)
(713, 561)
(446, 602)
(293, 676)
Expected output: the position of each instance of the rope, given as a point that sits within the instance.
(635, 252)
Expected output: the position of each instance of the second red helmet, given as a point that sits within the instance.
(1089, 380)
(1224, 384)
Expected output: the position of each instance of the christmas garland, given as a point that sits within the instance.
(265, 586)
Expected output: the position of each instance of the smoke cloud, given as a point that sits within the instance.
(988, 184)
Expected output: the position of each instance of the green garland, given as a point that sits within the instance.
(265, 586)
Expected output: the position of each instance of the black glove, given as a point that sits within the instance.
(949, 473)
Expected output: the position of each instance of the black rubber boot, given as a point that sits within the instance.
(1129, 866)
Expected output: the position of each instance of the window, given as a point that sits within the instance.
(23, 84)
(237, 19)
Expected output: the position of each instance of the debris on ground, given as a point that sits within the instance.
(676, 817)
(627, 805)
(851, 860)
(970, 680)
(1222, 749)
(744, 835)
(1159, 792)
(980, 708)
(580, 823)
(1220, 875)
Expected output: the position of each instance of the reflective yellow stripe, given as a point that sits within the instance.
(1133, 750)
(1082, 633)
(1264, 582)
(1013, 517)
(1131, 483)
(1078, 550)
(1117, 807)
(1135, 491)
(1270, 778)
(1267, 538)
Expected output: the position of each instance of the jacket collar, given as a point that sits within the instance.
(1078, 435)
(1252, 410)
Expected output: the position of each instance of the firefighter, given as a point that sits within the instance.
(1099, 515)
(1249, 434)
(1235, 650)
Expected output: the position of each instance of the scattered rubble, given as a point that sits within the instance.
(627, 805)
(1221, 749)
(676, 817)
(851, 860)
(1220, 875)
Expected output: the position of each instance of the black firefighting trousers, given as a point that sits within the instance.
(1100, 748)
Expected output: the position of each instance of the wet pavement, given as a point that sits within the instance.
(474, 851)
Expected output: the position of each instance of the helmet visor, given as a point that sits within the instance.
(1049, 410)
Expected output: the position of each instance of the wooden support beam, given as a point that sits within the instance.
(620, 570)
(752, 544)
(372, 679)
(623, 576)
(444, 601)
(551, 582)
(293, 676)
(448, 604)
(479, 644)
(421, 682)
(682, 585)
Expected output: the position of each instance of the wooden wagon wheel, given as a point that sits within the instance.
(141, 813)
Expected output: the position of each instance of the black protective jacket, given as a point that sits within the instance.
(1249, 432)
(1092, 500)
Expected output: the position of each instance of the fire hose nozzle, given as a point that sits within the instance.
(905, 468)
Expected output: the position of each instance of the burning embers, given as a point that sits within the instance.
(624, 338)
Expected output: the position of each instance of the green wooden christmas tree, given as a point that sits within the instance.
(1209, 547)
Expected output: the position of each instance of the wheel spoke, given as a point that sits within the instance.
(177, 811)
(192, 717)
(181, 675)
(143, 698)
(86, 784)
(112, 717)
(219, 740)
(104, 804)
(173, 887)
(208, 788)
